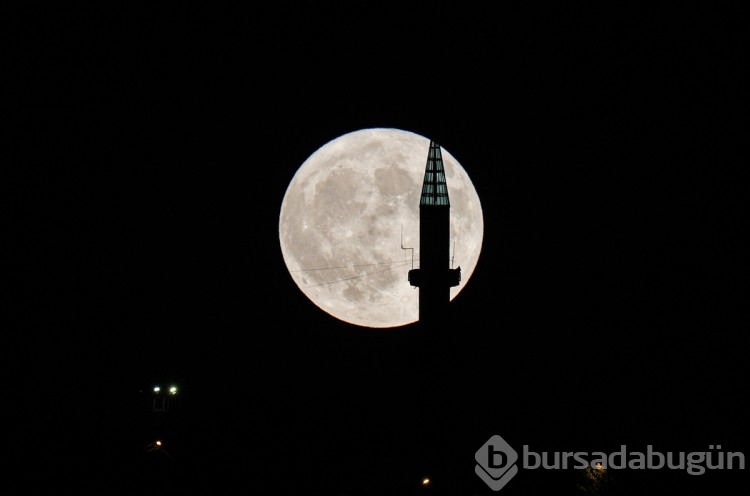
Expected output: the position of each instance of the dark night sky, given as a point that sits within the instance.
(149, 152)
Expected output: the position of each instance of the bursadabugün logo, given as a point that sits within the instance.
(496, 460)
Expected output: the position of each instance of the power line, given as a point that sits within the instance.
(350, 266)
(402, 263)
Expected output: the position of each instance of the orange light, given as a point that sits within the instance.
(426, 481)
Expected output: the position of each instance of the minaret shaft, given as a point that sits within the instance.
(434, 278)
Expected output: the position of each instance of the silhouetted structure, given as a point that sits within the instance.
(434, 277)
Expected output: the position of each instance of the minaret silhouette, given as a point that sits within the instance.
(434, 277)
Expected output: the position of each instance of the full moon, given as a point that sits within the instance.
(349, 225)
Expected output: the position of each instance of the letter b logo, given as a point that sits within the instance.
(496, 462)
(493, 456)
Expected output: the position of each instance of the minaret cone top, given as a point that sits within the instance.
(434, 187)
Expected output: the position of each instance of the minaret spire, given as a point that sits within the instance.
(434, 278)
(434, 186)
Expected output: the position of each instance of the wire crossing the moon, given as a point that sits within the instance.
(399, 263)
(349, 266)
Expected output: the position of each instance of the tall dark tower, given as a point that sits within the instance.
(434, 277)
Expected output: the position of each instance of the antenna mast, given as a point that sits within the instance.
(405, 248)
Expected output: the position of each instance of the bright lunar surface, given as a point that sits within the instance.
(349, 225)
